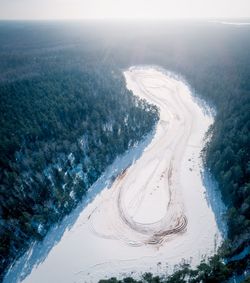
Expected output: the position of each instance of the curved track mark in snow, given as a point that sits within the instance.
(136, 217)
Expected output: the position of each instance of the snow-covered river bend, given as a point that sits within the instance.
(155, 215)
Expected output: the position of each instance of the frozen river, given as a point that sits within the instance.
(155, 214)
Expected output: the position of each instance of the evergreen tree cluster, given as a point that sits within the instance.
(59, 131)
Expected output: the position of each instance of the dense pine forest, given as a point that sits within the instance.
(66, 114)
(60, 129)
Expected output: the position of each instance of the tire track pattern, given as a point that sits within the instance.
(151, 185)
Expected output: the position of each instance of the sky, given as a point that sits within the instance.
(99, 9)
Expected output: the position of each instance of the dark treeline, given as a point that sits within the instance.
(60, 128)
(51, 76)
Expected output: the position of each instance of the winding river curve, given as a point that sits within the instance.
(156, 214)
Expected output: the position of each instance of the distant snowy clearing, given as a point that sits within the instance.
(232, 23)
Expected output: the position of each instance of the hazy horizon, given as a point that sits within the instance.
(121, 9)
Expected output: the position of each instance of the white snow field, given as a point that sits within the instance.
(155, 214)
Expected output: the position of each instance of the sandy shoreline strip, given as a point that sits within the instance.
(155, 215)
